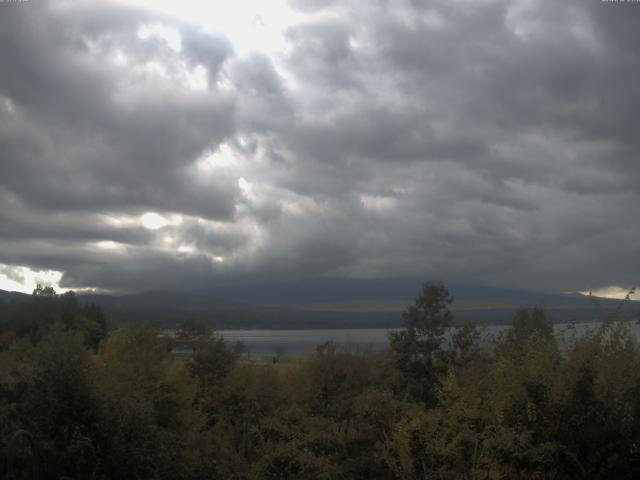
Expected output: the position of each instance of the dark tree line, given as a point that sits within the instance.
(44, 309)
(439, 403)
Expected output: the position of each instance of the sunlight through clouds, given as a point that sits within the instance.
(23, 279)
(611, 292)
(250, 25)
(153, 221)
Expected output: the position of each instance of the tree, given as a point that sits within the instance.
(147, 399)
(47, 390)
(194, 331)
(418, 345)
(526, 323)
(211, 361)
(464, 343)
(279, 351)
(47, 292)
(35, 316)
(240, 348)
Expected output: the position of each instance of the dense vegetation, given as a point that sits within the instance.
(121, 405)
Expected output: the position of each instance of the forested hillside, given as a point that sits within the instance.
(120, 404)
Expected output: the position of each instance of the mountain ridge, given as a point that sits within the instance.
(224, 309)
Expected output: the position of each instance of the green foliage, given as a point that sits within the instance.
(43, 310)
(527, 322)
(147, 405)
(436, 405)
(193, 331)
(211, 362)
(418, 344)
(46, 389)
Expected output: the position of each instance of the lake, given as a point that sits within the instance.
(299, 342)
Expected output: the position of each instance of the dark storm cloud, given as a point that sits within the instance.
(19, 223)
(136, 269)
(262, 102)
(322, 50)
(70, 117)
(491, 142)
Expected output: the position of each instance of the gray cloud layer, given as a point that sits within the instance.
(492, 142)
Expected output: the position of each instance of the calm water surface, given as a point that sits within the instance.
(299, 342)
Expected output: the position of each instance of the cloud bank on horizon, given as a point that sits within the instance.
(153, 146)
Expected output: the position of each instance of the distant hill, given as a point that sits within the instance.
(476, 303)
(7, 296)
(339, 289)
(333, 304)
(169, 308)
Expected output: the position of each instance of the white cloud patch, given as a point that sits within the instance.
(154, 221)
(23, 279)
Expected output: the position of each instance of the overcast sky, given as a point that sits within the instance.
(182, 145)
